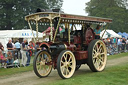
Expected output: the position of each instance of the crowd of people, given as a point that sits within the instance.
(116, 45)
(20, 52)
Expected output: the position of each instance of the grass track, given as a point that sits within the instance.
(11, 71)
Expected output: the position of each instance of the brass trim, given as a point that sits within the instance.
(32, 31)
(37, 30)
(51, 33)
(68, 34)
(104, 31)
(56, 29)
(65, 46)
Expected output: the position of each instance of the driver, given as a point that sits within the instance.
(97, 32)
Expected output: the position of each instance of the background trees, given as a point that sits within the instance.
(114, 9)
(12, 12)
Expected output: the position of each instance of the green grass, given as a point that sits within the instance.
(116, 75)
(11, 71)
(117, 55)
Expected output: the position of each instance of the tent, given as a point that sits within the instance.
(5, 35)
(124, 34)
(109, 33)
(119, 33)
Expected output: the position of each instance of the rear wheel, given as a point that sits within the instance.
(97, 55)
(42, 64)
(66, 64)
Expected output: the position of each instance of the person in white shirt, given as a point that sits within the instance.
(127, 44)
(119, 43)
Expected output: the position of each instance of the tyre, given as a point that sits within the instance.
(97, 55)
(66, 64)
(42, 64)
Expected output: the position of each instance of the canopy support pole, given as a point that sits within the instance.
(31, 30)
(37, 31)
(51, 33)
(104, 31)
(56, 29)
(68, 33)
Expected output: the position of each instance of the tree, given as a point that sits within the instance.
(12, 12)
(114, 9)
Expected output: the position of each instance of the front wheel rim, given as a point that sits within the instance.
(41, 64)
(67, 65)
(99, 54)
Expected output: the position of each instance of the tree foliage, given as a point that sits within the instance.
(114, 9)
(12, 12)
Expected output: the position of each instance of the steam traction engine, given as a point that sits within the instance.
(66, 51)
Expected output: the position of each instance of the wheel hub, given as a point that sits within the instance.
(42, 62)
(66, 64)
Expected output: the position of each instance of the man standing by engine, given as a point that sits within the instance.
(23, 52)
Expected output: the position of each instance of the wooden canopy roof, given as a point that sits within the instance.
(66, 18)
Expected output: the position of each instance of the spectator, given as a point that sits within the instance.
(114, 42)
(33, 44)
(127, 44)
(13, 44)
(112, 49)
(37, 48)
(17, 46)
(10, 46)
(1, 46)
(119, 43)
(9, 58)
(29, 53)
(108, 42)
(23, 52)
(3, 60)
(111, 42)
(123, 44)
(97, 32)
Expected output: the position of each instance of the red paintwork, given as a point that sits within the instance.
(77, 39)
(49, 63)
(78, 48)
(89, 35)
(79, 55)
(46, 43)
(55, 62)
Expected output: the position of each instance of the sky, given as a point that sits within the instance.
(75, 7)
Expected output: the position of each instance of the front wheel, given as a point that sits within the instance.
(66, 64)
(97, 55)
(42, 64)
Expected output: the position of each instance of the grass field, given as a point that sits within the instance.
(11, 71)
(117, 75)
(118, 55)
